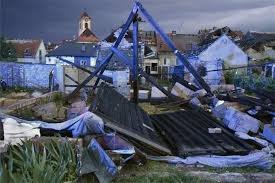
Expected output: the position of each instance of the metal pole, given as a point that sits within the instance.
(144, 74)
(135, 60)
(171, 45)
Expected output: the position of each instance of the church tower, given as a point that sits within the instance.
(85, 22)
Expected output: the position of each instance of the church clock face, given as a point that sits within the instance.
(86, 19)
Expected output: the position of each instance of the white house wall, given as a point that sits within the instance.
(43, 53)
(55, 60)
(226, 50)
(212, 78)
(28, 60)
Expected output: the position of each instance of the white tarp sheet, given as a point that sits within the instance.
(262, 159)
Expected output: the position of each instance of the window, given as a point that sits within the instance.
(268, 71)
(40, 55)
(27, 52)
(86, 25)
(83, 48)
(154, 67)
(165, 61)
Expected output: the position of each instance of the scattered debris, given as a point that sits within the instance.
(187, 134)
(182, 91)
(127, 118)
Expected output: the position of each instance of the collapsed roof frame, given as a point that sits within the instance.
(136, 70)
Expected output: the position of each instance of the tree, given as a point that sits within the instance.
(7, 51)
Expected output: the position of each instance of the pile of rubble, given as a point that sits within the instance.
(210, 132)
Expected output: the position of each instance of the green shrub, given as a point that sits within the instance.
(255, 82)
(229, 77)
(39, 162)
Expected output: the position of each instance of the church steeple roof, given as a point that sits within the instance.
(84, 14)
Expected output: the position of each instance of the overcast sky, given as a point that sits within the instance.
(55, 20)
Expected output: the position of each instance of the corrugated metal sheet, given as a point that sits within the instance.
(181, 133)
(128, 119)
(186, 132)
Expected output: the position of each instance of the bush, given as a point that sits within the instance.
(255, 82)
(229, 77)
(33, 162)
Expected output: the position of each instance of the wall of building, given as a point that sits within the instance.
(55, 60)
(26, 75)
(28, 60)
(83, 61)
(171, 59)
(36, 58)
(212, 78)
(43, 50)
(152, 65)
(226, 50)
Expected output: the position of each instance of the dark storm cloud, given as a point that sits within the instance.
(57, 19)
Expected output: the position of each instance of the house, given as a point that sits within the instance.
(222, 52)
(210, 35)
(83, 54)
(149, 38)
(183, 42)
(150, 61)
(259, 45)
(224, 49)
(83, 50)
(167, 59)
(29, 51)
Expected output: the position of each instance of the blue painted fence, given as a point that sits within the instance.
(26, 74)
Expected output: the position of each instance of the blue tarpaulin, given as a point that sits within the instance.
(87, 123)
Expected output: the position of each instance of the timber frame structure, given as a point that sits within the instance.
(133, 64)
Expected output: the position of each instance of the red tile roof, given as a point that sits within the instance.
(29, 48)
(183, 42)
(88, 37)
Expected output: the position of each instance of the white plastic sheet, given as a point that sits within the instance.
(14, 132)
(263, 160)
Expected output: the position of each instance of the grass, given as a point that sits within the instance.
(58, 98)
(27, 114)
(155, 172)
(156, 178)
